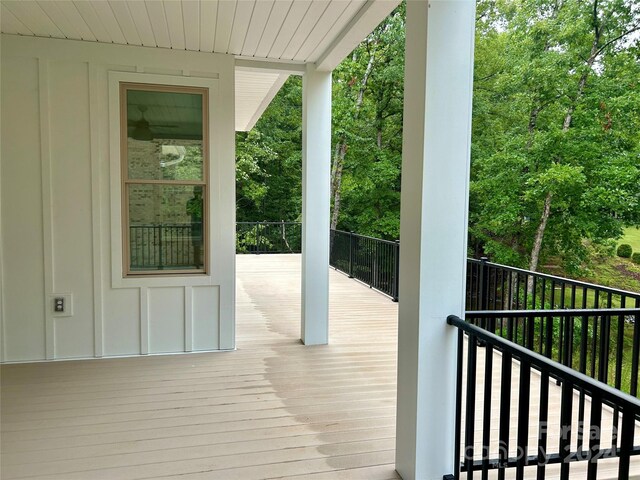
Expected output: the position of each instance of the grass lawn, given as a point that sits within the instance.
(632, 237)
(618, 272)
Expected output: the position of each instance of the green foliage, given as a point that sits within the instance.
(371, 128)
(635, 258)
(547, 122)
(624, 251)
(268, 160)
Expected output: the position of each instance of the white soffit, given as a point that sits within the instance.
(254, 92)
(296, 31)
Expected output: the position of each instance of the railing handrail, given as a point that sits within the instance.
(270, 223)
(578, 283)
(150, 225)
(554, 368)
(574, 312)
(381, 240)
(563, 282)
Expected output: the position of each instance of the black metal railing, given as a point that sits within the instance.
(268, 237)
(371, 260)
(165, 246)
(603, 344)
(554, 445)
(491, 286)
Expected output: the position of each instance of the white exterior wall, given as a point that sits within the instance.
(58, 206)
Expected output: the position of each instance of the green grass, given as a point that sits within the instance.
(615, 272)
(632, 237)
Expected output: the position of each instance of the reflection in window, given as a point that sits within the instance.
(164, 179)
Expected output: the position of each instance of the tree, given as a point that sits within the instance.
(545, 142)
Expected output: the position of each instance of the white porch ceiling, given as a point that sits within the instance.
(296, 31)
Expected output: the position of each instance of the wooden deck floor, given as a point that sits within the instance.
(272, 409)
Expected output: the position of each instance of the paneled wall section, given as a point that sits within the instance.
(56, 202)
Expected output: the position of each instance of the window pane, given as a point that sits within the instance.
(164, 135)
(165, 227)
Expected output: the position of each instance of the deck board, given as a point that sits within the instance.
(272, 409)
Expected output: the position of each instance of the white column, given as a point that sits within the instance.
(433, 230)
(316, 166)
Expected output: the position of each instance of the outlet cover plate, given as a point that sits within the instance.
(68, 304)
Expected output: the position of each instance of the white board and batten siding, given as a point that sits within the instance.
(60, 206)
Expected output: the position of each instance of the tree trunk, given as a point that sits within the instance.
(566, 124)
(336, 181)
(537, 242)
(341, 148)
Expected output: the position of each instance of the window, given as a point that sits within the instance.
(164, 151)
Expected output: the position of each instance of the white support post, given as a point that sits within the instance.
(433, 230)
(316, 166)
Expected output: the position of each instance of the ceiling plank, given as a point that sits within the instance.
(255, 31)
(143, 24)
(244, 12)
(10, 23)
(224, 23)
(173, 14)
(307, 24)
(291, 23)
(34, 18)
(191, 19)
(108, 19)
(158, 21)
(324, 26)
(367, 18)
(276, 18)
(125, 22)
(208, 18)
(58, 17)
(347, 15)
(91, 19)
(73, 16)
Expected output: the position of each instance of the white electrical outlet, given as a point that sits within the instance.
(61, 304)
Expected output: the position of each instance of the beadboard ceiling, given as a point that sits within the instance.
(299, 31)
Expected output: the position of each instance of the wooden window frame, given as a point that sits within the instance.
(124, 87)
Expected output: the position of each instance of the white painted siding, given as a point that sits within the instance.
(57, 204)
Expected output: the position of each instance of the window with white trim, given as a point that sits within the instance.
(164, 153)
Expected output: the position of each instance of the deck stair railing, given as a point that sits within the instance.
(556, 446)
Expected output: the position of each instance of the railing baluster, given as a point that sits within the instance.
(470, 405)
(543, 426)
(565, 428)
(458, 420)
(635, 353)
(505, 414)
(486, 419)
(523, 418)
(626, 441)
(595, 429)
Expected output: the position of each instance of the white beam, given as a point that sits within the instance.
(316, 164)
(269, 65)
(362, 24)
(433, 230)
